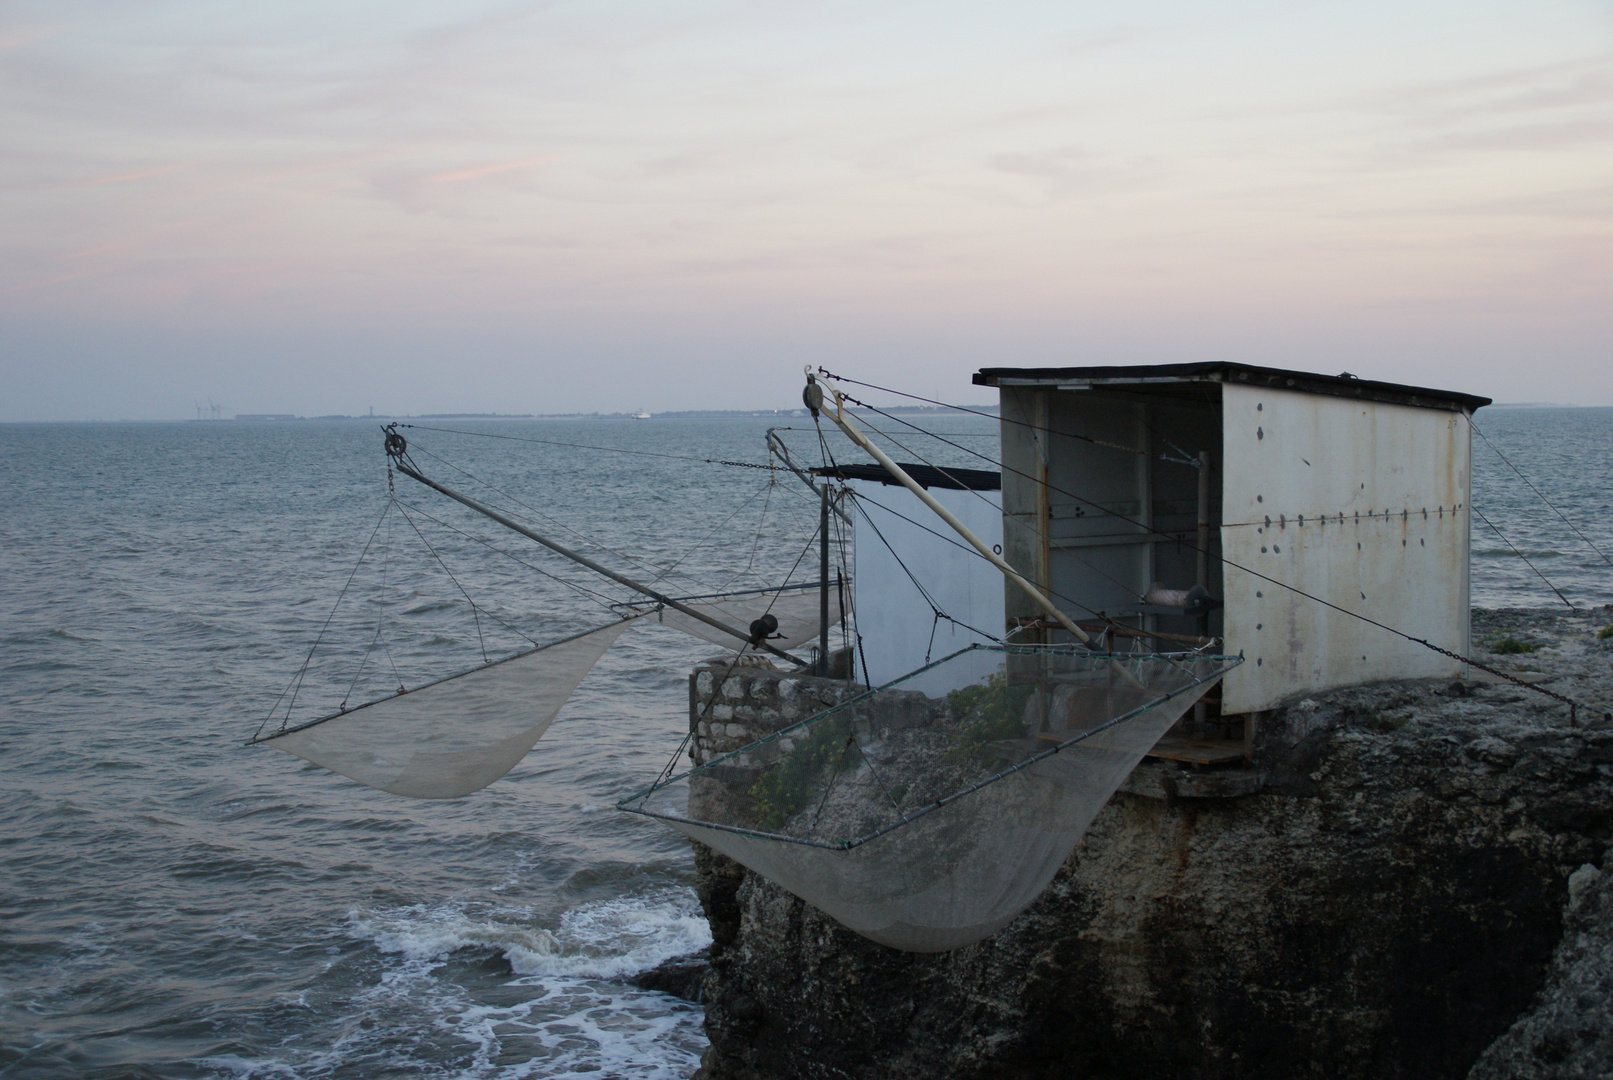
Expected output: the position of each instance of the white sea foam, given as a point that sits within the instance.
(634, 1034)
(569, 1019)
(431, 934)
(605, 940)
(628, 934)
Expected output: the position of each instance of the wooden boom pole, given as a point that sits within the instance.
(838, 415)
(408, 470)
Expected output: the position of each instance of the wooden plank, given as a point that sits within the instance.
(1062, 737)
(1196, 752)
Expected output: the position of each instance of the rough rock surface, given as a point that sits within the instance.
(1569, 1031)
(1387, 905)
(682, 976)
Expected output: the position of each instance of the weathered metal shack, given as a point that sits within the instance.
(1297, 501)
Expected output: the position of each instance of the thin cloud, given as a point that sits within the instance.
(123, 178)
(16, 39)
(478, 171)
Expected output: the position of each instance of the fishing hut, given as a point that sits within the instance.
(1316, 523)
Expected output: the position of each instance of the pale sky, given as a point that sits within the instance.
(546, 207)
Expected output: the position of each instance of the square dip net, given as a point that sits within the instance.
(928, 819)
(454, 736)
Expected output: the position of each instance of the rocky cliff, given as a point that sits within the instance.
(1569, 1031)
(1388, 903)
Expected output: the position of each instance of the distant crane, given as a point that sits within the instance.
(213, 411)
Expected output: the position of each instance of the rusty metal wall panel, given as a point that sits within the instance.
(1364, 505)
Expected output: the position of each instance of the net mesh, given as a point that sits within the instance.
(929, 821)
(797, 611)
(455, 736)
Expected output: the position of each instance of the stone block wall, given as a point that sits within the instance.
(752, 700)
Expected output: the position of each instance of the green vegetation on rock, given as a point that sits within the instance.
(1512, 645)
(1384, 723)
(1605, 632)
(784, 789)
(988, 711)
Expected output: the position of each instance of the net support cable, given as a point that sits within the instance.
(698, 629)
(294, 687)
(1538, 572)
(1539, 494)
(538, 516)
(379, 636)
(397, 449)
(606, 601)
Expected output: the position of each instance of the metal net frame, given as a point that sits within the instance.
(928, 812)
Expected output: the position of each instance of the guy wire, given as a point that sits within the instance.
(1033, 530)
(536, 514)
(1542, 497)
(295, 686)
(586, 446)
(476, 612)
(977, 412)
(1525, 558)
(599, 598)
(1110, 620)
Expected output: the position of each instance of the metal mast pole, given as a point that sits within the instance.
(1204, 535)
(823, 593)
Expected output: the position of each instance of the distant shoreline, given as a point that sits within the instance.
(684, 414)
(677, 414)
(1538, 405)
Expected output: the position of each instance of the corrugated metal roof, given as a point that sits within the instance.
(1161, 376)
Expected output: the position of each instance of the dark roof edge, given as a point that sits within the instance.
(926, 476)
(1243, 375)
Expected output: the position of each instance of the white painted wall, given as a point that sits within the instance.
(1399, 476)
(893, 617)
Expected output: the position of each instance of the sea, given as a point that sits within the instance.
(177, 903)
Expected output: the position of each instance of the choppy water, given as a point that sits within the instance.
(1568, 455)
(175, 904)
